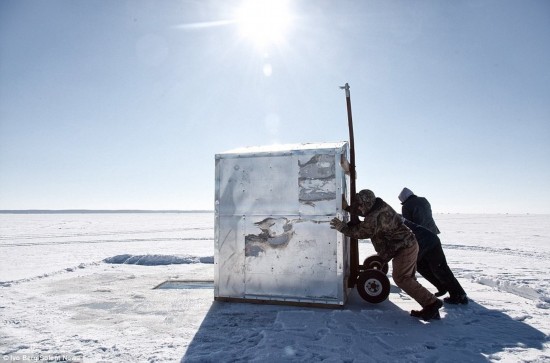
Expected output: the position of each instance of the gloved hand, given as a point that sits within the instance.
(337, 224)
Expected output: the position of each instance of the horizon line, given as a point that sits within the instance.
(182, 211)
(99, 211)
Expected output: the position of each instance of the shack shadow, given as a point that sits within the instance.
(233, 332)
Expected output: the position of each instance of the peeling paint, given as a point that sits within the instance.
(276, 233)
(316, 190)
(316, 179)
(317, 167)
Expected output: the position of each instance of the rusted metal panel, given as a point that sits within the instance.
(273, 241)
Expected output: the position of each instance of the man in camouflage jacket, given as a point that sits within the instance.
(391, 240)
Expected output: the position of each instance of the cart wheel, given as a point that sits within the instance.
(373, 286)
(374, 262)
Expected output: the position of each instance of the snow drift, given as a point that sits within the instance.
(157, 260)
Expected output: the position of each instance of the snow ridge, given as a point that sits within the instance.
(157, 260)
(518, 289)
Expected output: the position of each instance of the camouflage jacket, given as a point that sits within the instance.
(385, 229)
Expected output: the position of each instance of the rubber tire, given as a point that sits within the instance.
(374, 262)
(373, 286)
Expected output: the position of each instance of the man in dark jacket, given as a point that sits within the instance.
(391, 240)
(432, 265)
(417, 210)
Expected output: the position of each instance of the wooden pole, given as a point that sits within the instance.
(354, 243)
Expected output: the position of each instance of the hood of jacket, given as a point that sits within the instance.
(405, 194)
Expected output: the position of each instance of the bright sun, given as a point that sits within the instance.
(265, 22)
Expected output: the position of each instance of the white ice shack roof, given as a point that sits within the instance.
(284, 148)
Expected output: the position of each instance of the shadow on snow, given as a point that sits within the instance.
(360, 332)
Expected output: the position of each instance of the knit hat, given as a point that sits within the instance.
(405, 194)
(367, 198)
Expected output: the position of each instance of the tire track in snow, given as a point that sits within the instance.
(142, 260)
(115, 233)
(134, 240)
(49, 274)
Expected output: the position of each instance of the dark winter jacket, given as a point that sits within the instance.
(418, 210)
(425, 238)
(385, 229)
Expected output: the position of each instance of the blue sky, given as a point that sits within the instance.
(123, 104)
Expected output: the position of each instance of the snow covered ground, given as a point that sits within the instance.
(82, 286)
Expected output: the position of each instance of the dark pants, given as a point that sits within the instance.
(433, 267)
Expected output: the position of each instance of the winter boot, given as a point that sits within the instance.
(456, 300)
(431, 311)
(418, 314)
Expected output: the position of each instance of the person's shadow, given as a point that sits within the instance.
(360, 332)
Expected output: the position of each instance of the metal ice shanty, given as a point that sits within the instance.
(273, 241)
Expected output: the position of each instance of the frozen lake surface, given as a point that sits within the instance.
(83, 285)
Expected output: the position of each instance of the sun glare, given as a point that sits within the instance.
(265, 22)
